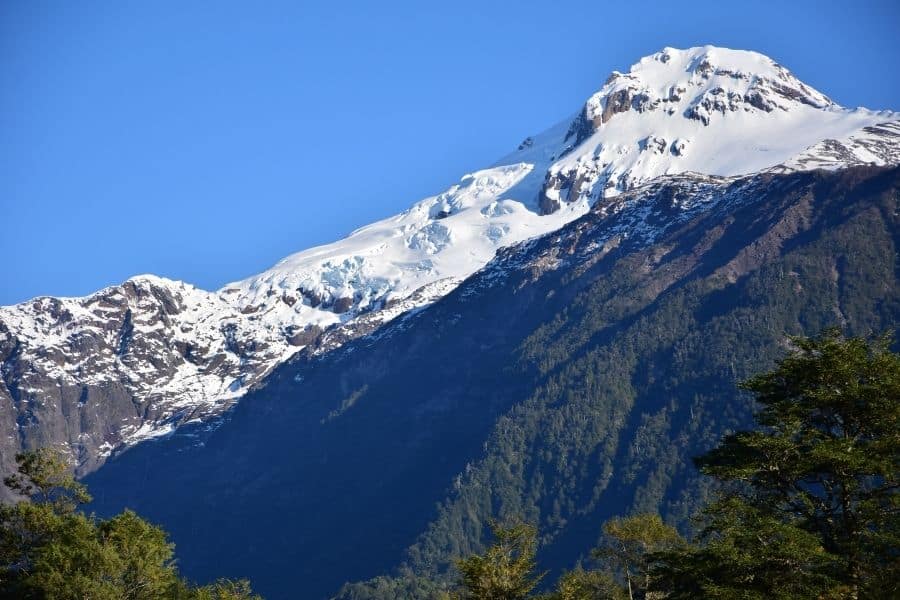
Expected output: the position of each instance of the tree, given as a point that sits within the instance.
(506, 570)
(51, 551)
(745, 554)
(73, 563)
(146, 566)
(225, 589)
(810, 506)
(629, 543)
(28, 527)
(580, 584)
(44, 475)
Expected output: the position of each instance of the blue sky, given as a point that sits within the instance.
(204, 141)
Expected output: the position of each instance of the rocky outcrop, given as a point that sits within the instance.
(95, 375)
(131, 362)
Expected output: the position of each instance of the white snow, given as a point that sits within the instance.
(705, 110)
(450, 235)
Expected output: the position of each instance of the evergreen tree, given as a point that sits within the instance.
(746, 554)
(225, 589)
(27, 528)
(146, 565)
(629, 544)
(580, 584)
(44, 476)
(506, 570)
(811, 504)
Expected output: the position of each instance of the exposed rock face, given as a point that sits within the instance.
(129, 362)
(343, 304)
(590, 120)
(304, 336)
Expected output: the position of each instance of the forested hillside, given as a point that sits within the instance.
(805, 506)
(569, 382)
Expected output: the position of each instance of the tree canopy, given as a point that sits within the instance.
(49, 550)
(506, 569)
(808, 503)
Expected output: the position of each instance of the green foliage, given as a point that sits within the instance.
(75, 563)
(225, 589)
(587, 585)
(409, 585)
(629, 543)
(809, 500)
(812, 508)
(45, 476)
(506, 570)
(51, 551)
(747, 554)
(145, 566)
(826, 461)
(28, 530)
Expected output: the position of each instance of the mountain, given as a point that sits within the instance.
(553, 337)
(568, 381)
(135, 361)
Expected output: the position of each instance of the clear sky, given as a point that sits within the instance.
(203, 141)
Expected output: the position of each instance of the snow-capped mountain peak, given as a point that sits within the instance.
(159, 353)
(707, 68)
(697, 84)
(708, 110)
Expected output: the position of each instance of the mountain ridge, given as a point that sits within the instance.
(101, 373)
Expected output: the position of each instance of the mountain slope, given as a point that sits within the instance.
(133, 362)
(569, 380)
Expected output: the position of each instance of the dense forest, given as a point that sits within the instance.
(805, 505)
